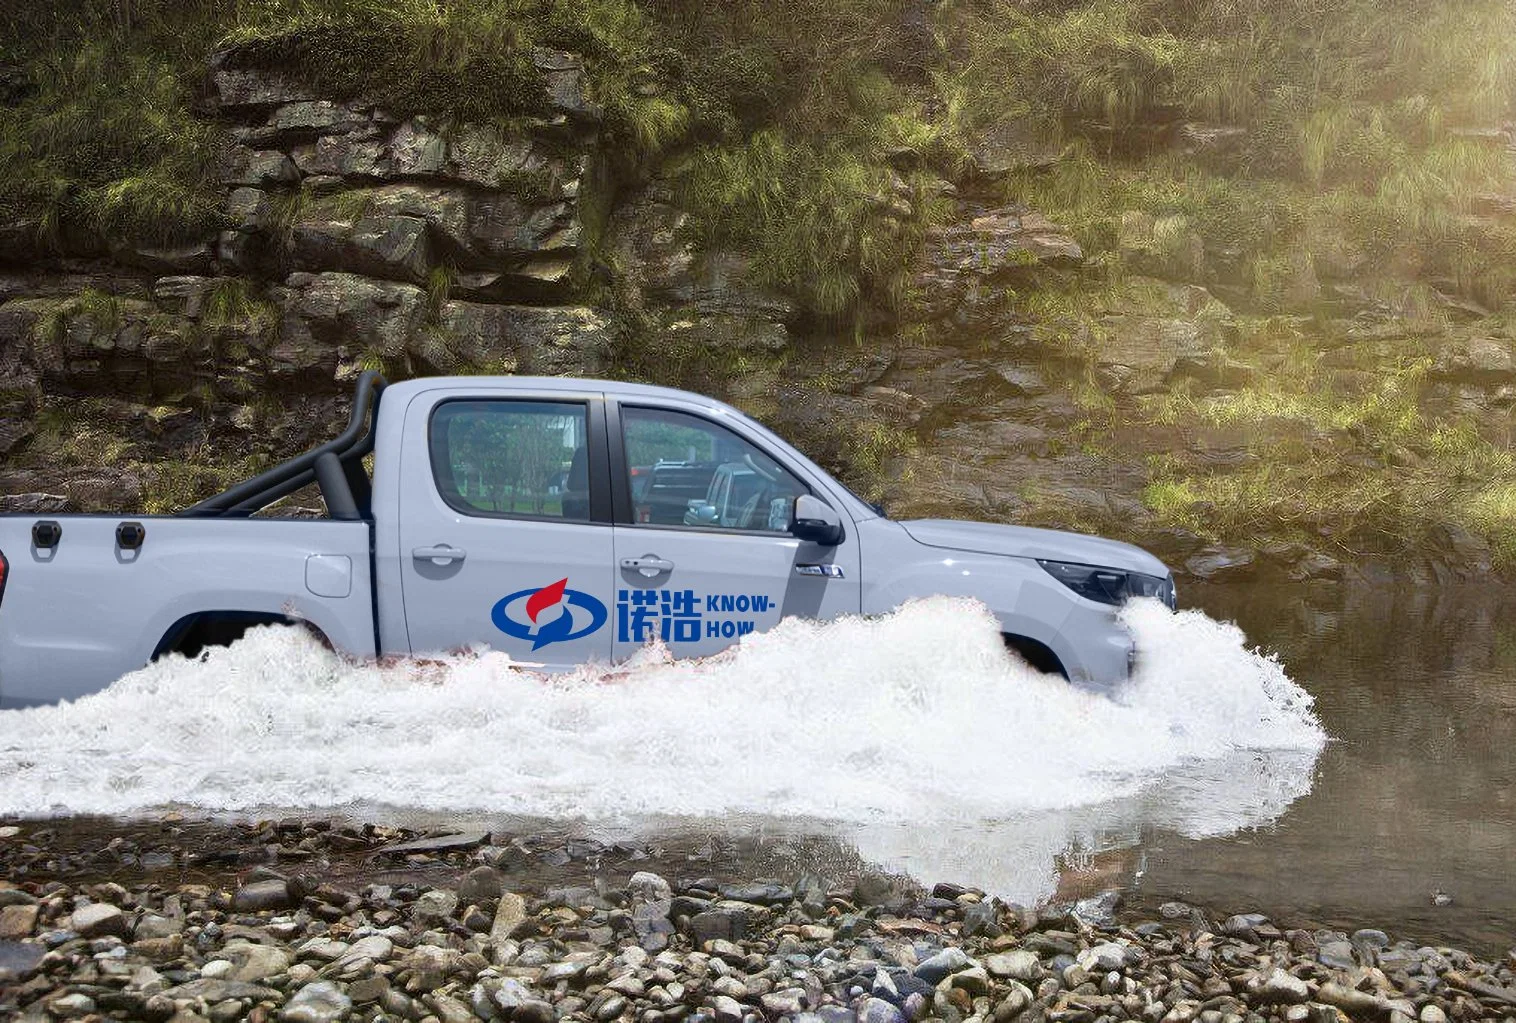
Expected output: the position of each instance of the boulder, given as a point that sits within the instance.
(395, 248)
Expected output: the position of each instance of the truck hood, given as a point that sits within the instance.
(1027, 542)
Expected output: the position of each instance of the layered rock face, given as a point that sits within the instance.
(141, 376)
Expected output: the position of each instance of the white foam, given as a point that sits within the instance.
(918, 716)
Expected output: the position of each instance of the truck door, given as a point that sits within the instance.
(505, 526)
(703, 552)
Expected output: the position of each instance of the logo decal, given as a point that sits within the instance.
(550, 614)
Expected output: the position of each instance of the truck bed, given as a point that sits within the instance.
(89, 609)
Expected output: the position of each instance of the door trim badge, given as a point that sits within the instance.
(824, 571)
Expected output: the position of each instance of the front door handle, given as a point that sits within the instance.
(440, 554)
(649, 565)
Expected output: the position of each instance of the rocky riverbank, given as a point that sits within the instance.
(309, 921)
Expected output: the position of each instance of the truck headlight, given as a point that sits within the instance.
(1111, 585)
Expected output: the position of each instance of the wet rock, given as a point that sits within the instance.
(1279, 987)
(981, 919)
(458, 842)
(943, 964)
(481, 883)
(510, 915)
(534, 1010)
(877, 1010)
(99, 919)
(264, 895)
(19, 960)
(1016, 964)
(319, 1002)
(252, 962)
(1220, 563)
(1104, 957)
(18, 921)
(719, 924)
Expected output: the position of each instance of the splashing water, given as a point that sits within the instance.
(917, 716)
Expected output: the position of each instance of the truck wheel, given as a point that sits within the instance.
(1039, 655)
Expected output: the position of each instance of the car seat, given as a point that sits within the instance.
(576, 488)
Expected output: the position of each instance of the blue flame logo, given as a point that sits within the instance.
(548, 614)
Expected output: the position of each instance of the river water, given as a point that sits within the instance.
(1338, 756)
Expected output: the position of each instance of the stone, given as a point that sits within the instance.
(17, 922)
(448, 1009)
(457, 842)
(266, 169)
(375, 947)
(719, 924)
(943, 964)
(264, 896)
(877, 1010)
(19, 960)
(1098, 910)
(727, 1009)
(788, 1002)
(481, 883)
(1221, 563)
(645, 886)
(510, 915)
(1015, 964)
(318, 1002)
(257, 88)
(218, 989)
(253, 962)
(974, 980)
(1279, 987)
(1336, 954)
(651, 924)
(534, 1010)
(397, 248)
(1104, 957)
(981, 920)
(152, 925)
(71, 1006)
(1017, 998)
(98, 920)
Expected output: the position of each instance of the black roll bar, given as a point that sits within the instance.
(335, 465)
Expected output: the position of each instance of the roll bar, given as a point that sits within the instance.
(336, 466)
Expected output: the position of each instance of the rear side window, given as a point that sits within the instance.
(518, 458)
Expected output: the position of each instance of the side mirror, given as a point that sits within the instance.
(815, 521)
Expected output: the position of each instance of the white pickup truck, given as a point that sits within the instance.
(561, 521)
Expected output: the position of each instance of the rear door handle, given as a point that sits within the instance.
(649, 565)
(440, 554)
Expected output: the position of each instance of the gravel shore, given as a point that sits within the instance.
(310, 922)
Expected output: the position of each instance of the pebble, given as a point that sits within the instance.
(320, 1002)
(98, 919)
(690, 951)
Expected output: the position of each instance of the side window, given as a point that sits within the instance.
(512, 458)
(686, 471)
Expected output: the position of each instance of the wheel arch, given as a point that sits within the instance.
(198, 631)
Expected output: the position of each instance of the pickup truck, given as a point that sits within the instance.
(561, 521)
